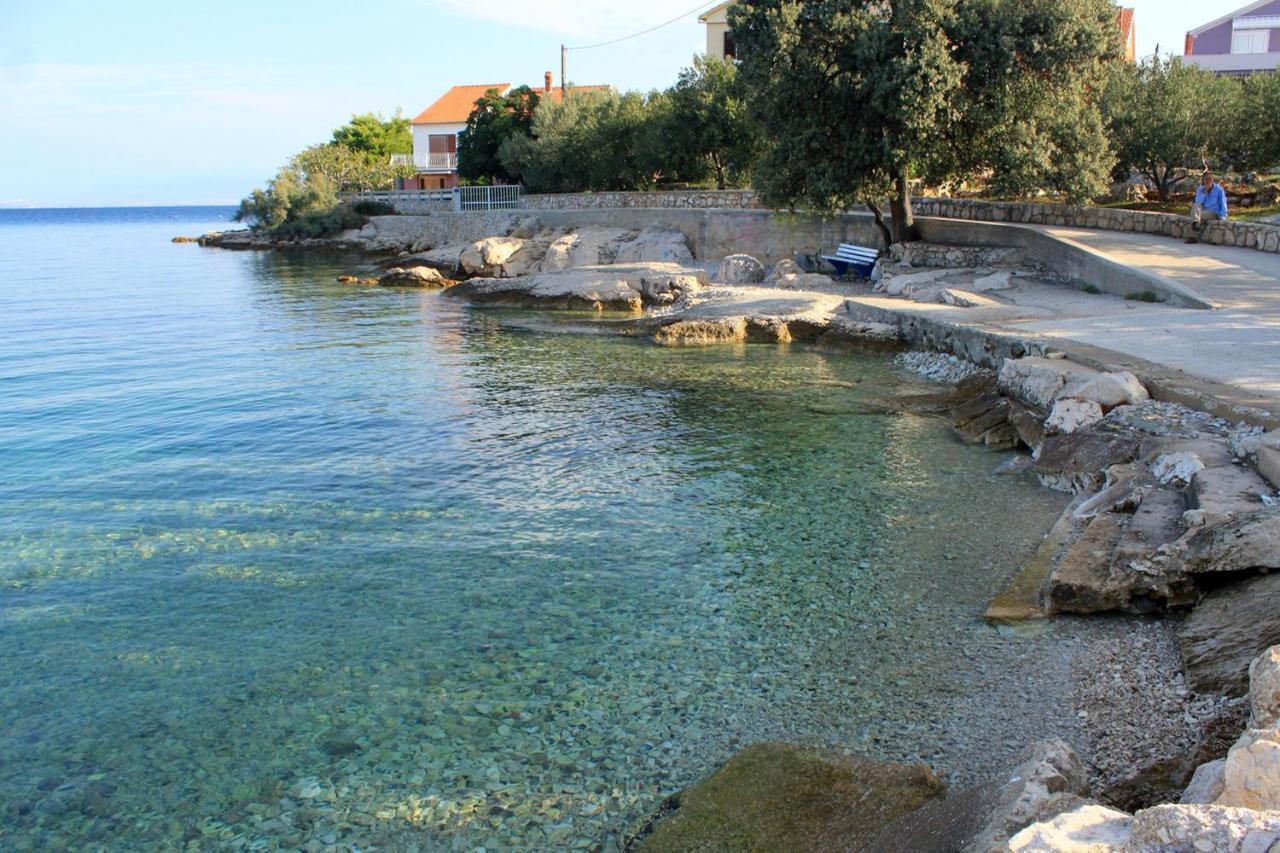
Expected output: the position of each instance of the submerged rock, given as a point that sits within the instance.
(778, 797)
(413, 277)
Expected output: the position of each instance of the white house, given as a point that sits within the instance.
(719, 40)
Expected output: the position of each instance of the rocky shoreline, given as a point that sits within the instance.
(1174, 514)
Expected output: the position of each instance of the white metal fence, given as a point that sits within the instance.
(486, 198)
(460, 198)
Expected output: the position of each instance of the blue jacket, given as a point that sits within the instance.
(1214, 201)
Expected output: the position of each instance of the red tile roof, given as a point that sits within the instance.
(1127, 33)
(456, 104)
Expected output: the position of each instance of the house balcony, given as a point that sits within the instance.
(427, 162)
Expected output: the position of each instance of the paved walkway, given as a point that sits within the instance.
(1237, 344)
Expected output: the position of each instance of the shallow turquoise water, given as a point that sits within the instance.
(285, 562)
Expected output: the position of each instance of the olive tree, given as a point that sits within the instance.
(857, 97)
(708, 120)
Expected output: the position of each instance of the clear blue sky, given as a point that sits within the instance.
(148, 102)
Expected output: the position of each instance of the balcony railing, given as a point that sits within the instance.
(427, 162)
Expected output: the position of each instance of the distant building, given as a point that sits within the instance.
(435, 132)
(1245, 42)
(720, 43)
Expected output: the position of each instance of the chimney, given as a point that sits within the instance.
(546, 83)
(1190, 47)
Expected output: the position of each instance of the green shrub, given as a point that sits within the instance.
(1144, 296)
(374, 208)
(1091, 288)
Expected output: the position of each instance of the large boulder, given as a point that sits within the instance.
(413, 277)
(655, 244)
(1082, 581)
(443, 258)
(489, 257)
(1222, 636)
(778, 797)
(740, 269)
(1041, 381)
(1264, 690)
(1227, 491)
(1078, 461)
(1245, 543)
(1208, 828)
(1206, 783)
(1090, 828)
(585, 247)
(1251, 774)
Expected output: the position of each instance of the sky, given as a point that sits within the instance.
(150, 102)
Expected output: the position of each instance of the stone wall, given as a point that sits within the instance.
(1248, 235)
(699, 199)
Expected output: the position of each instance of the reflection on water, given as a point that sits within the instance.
(289, 563)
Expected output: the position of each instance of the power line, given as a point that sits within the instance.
(699, 8)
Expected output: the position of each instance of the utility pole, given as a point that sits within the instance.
(564, 69)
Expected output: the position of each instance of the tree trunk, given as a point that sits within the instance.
(904, 223)
(879, 217)
(719, 167)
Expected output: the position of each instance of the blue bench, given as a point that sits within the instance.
(853, 258)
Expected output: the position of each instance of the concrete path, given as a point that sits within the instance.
(1237, 344)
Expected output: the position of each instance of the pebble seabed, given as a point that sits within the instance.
(836, 601)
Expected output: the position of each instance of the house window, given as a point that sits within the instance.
(1250, 41)
(730, 47)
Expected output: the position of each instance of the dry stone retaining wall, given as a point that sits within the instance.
(705, 199)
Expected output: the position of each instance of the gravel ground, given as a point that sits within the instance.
(1134, 707)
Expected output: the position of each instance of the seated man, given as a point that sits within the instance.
(1210, 205)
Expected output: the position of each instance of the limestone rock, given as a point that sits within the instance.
(1087, 829)
(1050, 777)
(1243, 543)
(1108, 390)
(655, 244)
(740, 269)
(776, 797)
(784, 269)
(1206, 785)
(585, 247)
(487, 257)
(1208, 828)
(1082, 581)
(444, 258)
(1251, 775)
(1077, 461)
(698, 333)
(1231, 626)
(412, 277)
(973, 418)
(965, 299)
(1177, 468)
(1040, 381)
(1264, 689)
(621, 287)
(1029, 424)
(768, 330)
(1228, 491)
(1069, 415)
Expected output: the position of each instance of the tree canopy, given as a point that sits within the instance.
(860, 96)
(495, 119)
(369, 133)
(708, 120)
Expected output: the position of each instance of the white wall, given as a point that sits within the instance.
(422, 131)
(717, 24)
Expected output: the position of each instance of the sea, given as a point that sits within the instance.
(292, 564)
